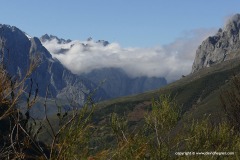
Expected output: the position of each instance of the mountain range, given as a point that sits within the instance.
(18, 50)
(198, 94)
(114, 81)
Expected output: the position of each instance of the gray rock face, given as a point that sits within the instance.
(225, 45)
(18, 52)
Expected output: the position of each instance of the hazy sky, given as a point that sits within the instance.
(131, 23)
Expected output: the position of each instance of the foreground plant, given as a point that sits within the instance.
(152, 141)
(72, 140)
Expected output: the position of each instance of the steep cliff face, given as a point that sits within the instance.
(17, 50)
(225, 45)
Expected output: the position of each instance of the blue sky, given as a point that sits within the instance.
(131, 23)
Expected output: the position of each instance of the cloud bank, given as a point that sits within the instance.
(169, 61)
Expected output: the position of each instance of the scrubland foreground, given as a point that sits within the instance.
(165, 132)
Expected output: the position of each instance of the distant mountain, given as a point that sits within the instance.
(116, 82)
(47, 37)
(225, 45)
(217, 61)
(197, 94)
(19, 49)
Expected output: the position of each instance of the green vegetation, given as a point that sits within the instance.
(73, 139)
(186, 117)
(204, 136)
(157, 140)
(231, 102)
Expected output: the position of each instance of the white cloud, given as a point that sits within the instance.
(169, 61)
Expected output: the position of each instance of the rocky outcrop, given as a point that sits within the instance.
(225, 45)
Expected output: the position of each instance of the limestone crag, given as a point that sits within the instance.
(225, 45)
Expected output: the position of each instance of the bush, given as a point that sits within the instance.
(153, 140)
(204, 136)
(230, 99)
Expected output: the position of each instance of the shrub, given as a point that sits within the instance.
(204, 136)
(230, 99)
(152, 140)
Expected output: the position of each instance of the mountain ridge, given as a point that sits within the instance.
(50, 73)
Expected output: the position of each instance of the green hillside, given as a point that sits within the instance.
(124, 126)
(197, 93)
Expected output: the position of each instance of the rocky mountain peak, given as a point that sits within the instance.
(8, 27)
(224, 45)
(233, 24)
(50, 37)
(103, 42)
(235, 19)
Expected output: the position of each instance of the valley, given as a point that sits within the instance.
(52, 112)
